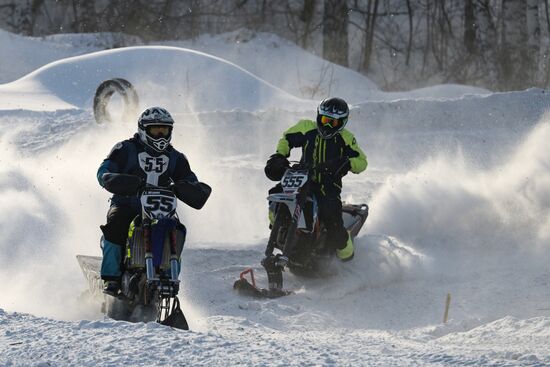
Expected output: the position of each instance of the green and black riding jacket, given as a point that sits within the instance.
(316, 150)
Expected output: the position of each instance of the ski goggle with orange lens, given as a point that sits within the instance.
(326, 120)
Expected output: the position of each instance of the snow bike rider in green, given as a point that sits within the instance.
(333, 151)
(147, 158)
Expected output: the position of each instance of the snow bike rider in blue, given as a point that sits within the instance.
(145, 159)
(333, 151)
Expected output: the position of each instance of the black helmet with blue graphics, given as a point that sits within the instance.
(332, 117)
(155, 128)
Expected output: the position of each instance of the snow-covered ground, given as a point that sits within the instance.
(458, 185)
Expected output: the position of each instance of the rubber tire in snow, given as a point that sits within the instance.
(104, 93)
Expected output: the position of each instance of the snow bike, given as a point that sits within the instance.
(150, 283)
(298, 233)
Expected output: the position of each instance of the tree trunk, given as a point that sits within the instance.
(514, 69)
(487, 42)
(533, 40)
(335, 32)
(369, 35)
(409, 44)
(306, 16)
(469, 26)
(428, 38)
(88, 17)
(36, 5)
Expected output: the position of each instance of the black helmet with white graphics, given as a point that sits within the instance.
(155, 128)
(332, 117)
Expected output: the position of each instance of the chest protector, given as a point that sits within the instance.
(155, 169)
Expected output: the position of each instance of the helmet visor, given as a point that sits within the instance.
(327, 121)
(159, 131)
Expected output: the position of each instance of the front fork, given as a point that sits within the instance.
(174, 264)
(275, 264)
(291, 239)
(172, 288)
(149, 267)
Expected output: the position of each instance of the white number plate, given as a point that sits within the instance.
(158, 204)
(293, 180)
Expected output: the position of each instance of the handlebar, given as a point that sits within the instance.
(298, 165)
(312, 170)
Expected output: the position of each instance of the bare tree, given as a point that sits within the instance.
(85, 16)
(410, 42)
(370, 21)
(513, 64)
(498, 44)
(36, 6)
(487, 43)
(335, 31)
(306, 16)
(533, 40)
(469, 26)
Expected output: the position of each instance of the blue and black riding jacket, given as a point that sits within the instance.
(158, 169)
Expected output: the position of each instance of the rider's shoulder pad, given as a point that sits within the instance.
(302, 126)
(348, 137)
(117, 148)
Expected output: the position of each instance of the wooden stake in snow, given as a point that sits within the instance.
(447, 304)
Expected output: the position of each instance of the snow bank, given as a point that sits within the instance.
(180, 79)
(269, 57)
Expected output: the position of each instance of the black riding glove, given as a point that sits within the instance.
(122, 184)
(276, 166)
(193, 194)
(336, 167)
